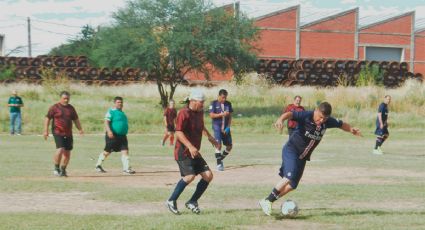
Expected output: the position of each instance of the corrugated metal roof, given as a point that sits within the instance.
(328, 17)
(420, 25)
(310, 15)
(364, 24)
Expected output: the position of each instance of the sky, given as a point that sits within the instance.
(54, 22)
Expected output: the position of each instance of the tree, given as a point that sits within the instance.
(171, 38)
(83, 44)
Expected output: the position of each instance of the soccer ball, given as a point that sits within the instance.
(289, 208)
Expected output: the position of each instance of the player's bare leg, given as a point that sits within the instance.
(164, 139)
(171, 134)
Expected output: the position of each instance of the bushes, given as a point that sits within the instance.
(7, 73)
(54, 83)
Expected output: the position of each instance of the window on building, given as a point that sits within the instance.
(384, 54)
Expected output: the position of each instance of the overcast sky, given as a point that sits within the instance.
(55, 21)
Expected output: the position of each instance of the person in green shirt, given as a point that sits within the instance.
(15, 103)
(116, 125)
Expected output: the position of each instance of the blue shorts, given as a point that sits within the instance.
(292, 167)
(221, 137)
(382, 132)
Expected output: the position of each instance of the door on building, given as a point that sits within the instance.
(384, 54)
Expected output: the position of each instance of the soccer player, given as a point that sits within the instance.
(296, 152)
(62, 114)
(381, 131)
(189, 129)
(295, 106)
(221, 114)
(15, 103)
(116, 126)
(170, 115)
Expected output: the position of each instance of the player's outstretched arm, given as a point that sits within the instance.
(279, 122)
(355, 131)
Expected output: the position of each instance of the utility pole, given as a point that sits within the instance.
(29, 37)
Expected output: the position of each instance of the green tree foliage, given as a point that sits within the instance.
(81, 45)
(170, 38)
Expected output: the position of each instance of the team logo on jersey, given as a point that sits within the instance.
(315, 136)
(289, 174)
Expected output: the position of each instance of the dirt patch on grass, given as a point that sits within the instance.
(261, 175)
(71, 203)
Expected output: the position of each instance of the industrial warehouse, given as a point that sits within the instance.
(291, 51)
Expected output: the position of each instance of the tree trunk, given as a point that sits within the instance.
(163, 94)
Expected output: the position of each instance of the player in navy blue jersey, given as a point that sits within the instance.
(381, 131)
(312, 126)
(221, 114)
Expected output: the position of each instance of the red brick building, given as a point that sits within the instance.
(339, 36)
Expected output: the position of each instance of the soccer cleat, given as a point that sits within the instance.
(380, 150)
(220, 167)
(63, 173)
(100, 169)
(128, 172)
(377, 151)
(172, 206)
(266, 206)
(56, 172)
(193, 206)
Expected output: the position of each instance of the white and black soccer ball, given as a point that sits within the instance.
(289, 208)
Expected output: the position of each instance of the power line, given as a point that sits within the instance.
(10, 26)
(55, 23)
(52, 32)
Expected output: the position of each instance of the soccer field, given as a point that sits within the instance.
(343, 187)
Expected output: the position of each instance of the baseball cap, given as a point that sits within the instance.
(197, 95)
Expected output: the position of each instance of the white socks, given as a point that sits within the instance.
(125, 162)
(100, 159)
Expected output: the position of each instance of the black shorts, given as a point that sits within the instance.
(64, 142)
(171, 128)
(189, 166)
(116, 144)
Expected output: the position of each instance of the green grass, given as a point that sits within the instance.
(256, 105)
(344, 186)
(387, 191)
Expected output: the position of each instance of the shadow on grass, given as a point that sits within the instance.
(137, 174)
(234, 167)
(337, 213)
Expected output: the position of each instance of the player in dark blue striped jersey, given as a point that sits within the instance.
(381, 131)
(312, 126)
